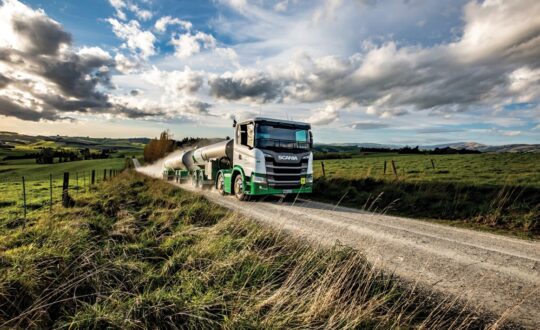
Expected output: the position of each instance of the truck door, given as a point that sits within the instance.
(243, 150)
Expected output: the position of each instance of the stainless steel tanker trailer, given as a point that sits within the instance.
(265, 157)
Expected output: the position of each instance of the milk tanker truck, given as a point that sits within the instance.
(265, 157)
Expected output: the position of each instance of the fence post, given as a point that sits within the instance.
(432, 164)
(322, 166)
(104, 175)
(384, 172)
(394, 169)
(93, 176)
(50, 192)
(24, 200)
(65, 190)
(110, 174)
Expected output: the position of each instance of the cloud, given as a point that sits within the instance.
(511, 133)
(364, 125)
(176, 83)
(250, 85)
(189, 44)
(496, 60)
(438, 130)
(30, 31)
(126, 64)
(162, 23)
(325, 116)
(138, 41)
(49, 79)
(120, 6)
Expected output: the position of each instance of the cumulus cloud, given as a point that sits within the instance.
(175, 82)
(162, 23)
(188, 44)
(120, 7)
(126, 64)
(50, 79)
(325, 116)
(496, 60)
(139, 41)
(250, 85)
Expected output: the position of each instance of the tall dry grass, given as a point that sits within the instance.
(136, 253)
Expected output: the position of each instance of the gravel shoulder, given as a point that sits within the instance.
(495, 273)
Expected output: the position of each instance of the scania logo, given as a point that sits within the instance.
(286, 157)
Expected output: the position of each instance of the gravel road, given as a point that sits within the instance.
(492, 272)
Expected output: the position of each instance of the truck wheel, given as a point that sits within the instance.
(239, 188)
(220, 184)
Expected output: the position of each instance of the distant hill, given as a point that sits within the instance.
(16, 139)
(346, 147)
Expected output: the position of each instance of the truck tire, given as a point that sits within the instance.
(220, 184)
(239, 188)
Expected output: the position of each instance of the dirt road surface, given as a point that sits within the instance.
(492, 272)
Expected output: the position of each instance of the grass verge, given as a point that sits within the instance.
(137, 253)
(510, 209)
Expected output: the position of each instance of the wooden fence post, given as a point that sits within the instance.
(93, 176)
(104, 175)
(65, 190)
(110, 173)
(432, 164)
(50, 192)
(323, 171)
(24, 200)
(384, 172)
(394, 169)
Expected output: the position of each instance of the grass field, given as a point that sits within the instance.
(37, 182)
(493, 191)
(476, 169)
(136, 253)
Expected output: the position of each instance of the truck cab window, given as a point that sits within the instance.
(241, 136)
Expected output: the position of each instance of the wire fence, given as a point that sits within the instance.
(22, 197)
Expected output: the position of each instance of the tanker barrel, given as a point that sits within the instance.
(174, 163)
(213, 151)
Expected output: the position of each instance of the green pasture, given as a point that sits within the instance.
(37, 182)
(504, 169)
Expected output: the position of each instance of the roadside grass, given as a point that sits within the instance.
(497, 192)
(138, 253)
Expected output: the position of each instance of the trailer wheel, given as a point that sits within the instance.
(220, 184)
(239, 188)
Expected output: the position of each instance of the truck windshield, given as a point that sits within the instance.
(276, 137)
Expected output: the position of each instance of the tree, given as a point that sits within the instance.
(159, 148)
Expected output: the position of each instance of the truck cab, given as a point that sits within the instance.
(270, 156)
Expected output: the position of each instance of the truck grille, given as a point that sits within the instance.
(285, 175)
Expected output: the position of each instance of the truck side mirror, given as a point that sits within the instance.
(310, 139)
(234, 123)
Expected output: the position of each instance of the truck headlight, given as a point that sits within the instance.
(259, 179)
(309, 178)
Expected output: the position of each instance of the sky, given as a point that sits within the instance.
(381, 71)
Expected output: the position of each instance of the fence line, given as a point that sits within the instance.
(40, 192)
